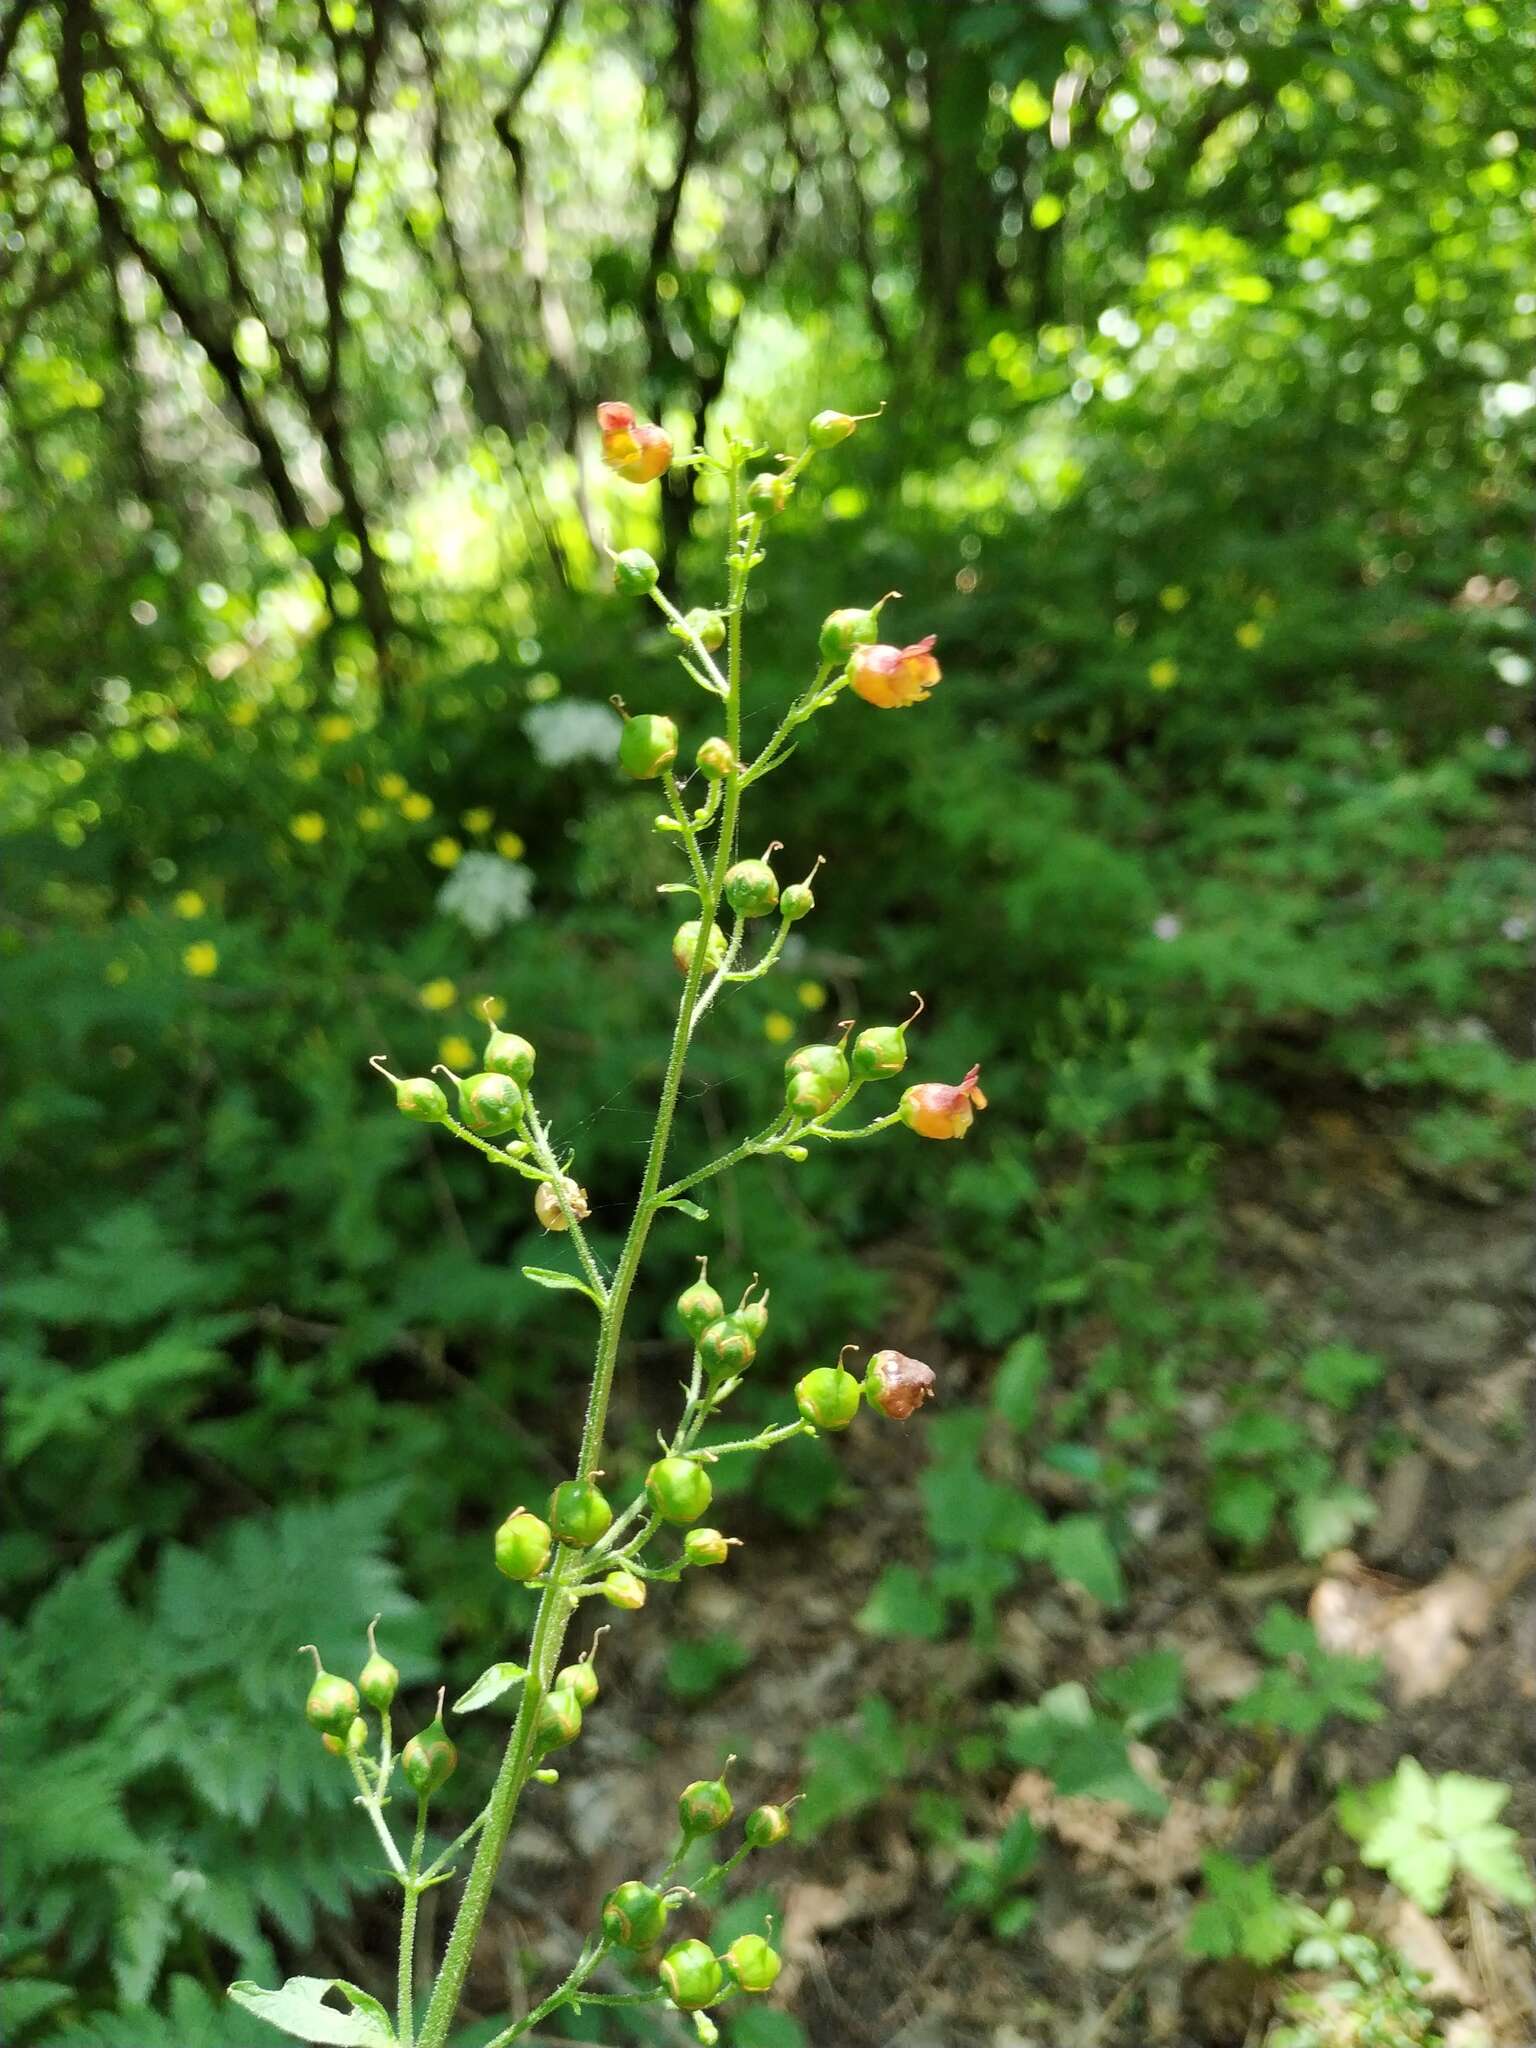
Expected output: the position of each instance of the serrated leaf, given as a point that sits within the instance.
(569, 1283)
(490, 1685)
(299, 2009)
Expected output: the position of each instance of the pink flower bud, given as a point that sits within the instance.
(891, 678)
(632, 448)
(935, 1110)
(897, 1385)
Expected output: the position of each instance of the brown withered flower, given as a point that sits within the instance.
(897, 1385)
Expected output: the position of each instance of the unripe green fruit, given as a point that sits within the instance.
(842, 631)
(727, 1346)
(421, 1100)
(623, 1590)
(490, 1104)
(811, 1095)
(751, 888)
(769, 492)
(378, 1682)
(579, 1678)
(707, 627)
(828, 1397)
(880, 1050)
(716, 758)
(634, 1916)
(523, 1544)
(692, 1976)
(828, 428)
(332, 1704)
(634, 572)
(429, 1759)
(704, 1807)
(507, 1053)
(766, 1825)
(753, 1318)
(705, 1546)
(558, 1721)
(753, 1964)
(678, 1489)
(578, 1513)
(647, 745)
(699, 1305)
(353, 1743)
(829, 1062)
(686, 937)
(796, 902)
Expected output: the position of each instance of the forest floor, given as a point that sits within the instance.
(1442, 1588)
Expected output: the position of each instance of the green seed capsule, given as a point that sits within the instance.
(429, 1759)
(766, 1825)
(751, 888)
(378, 1681)
(811, 1095)
(827, 1062)
(828, 1397)
(692, 1976)
(686, 937)
(678, 1489)
(704, 1807)
(634, 1916)
(753, 1318)
(507, 1053)
(578, 1513)
(882, 1049)
(699, 1305)
(523, 1544)
(716, 758)
(769, 492)
(753, 1964)
(707, 627)
(355, 1741)
(647, 745)
(727, 1347)
(332, 1702)
(623, 1590)
(634, 572)
(796, 902)
(828, 428)
(419, 1098)
(558, 1721)
(580, 1679)
(842, 631)
(705, 1546)
(490, 1104)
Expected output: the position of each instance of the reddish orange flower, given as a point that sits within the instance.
(935, 1110)
(897, 1385)
(632, 448)
(891, 678)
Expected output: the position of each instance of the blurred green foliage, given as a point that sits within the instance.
(1202, 337)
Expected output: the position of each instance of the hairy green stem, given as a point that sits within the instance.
(407, 1970)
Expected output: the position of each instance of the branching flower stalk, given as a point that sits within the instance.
(580, 1549)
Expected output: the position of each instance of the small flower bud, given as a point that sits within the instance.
(935, 1110)
(558, 1720)
(707, 627)
(579, 1678)
(578, 1513)
(647, 745)
(355, 1741)
(897, 1385)
(490, 1104)
(523, 1544)
(891, 678)
(844, 630)
(699, 1305)
(705, 2030)
(769, 492)
(634, 1916)
(678, 1489)
(704, 1807)
(378, 1681)
(716, 758)
(429, 1759)
(686, 937)
(692, 1976)
(766, 1825)
(727, 1347)
(753, 1964)
(751, 888)
(623, 1589)
(632, 449)
(332, 1702)
(507, 1053)
(419, 1098)
(546, 1203)
(882, 1049)
(634, 573)
(828, 1397)
(706, 1546)
(333, 1745)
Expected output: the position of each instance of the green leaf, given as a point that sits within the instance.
(1241, 1914)
(1147, 1690)
(903, 1604)
(570, 1283)
(699, 1665)
(1025, 1370)
(25, 1999)
(1321, 1522)
(1421, 1830)
(1339, 1375)
(1242, 1507)
(490, 1685)
(299, 2009)
(693, 1209)
(1080, 1550)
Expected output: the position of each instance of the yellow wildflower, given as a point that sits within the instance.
(478, 820)
(811, 995)
(509, 846)
(1162, 675)
(242, 713)
(438, 995)
(187, 903)
(416, 807)
(1173, 598)
(392, 785)
(445, 852)
(454, 1051)
(308, 828)
(777, 1028)
(201, 959)
(1249, 634)
(334, 729)
(370, 818)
